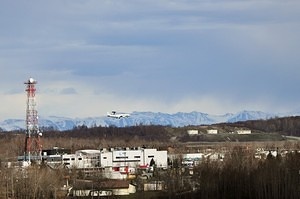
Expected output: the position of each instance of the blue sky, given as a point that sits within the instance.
(91, 56)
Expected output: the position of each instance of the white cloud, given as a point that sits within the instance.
(167, 56)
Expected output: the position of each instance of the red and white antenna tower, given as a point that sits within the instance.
(33, 147)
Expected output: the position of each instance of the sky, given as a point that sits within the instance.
(93, 56)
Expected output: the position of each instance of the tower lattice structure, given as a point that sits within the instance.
(33, 146)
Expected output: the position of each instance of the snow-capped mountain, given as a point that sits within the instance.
(145, 118)
(249, 115)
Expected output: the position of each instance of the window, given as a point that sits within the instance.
(79, 158)
(105, 158)
(150, 156)
(137, 156)
(124, 157)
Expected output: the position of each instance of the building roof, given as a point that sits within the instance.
(106, 184)
(88, 151)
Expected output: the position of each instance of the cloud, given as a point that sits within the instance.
(68, 91)
(152, 55)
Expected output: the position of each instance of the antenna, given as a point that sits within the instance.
(33, 147)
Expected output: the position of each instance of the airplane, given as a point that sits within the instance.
(116, 115)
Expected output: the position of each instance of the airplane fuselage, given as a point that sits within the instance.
(113, 114)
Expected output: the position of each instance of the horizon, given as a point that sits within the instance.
(179, 119)
(280, 114)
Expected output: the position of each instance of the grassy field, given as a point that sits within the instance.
(246, 137)
(226, 137)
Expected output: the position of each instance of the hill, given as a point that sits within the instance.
(262, 130)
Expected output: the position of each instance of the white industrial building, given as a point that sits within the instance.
(88, 158)
(120, 159)
(132, 158)
(191, 159)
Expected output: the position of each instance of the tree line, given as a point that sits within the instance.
(289, 126)
(240, 176)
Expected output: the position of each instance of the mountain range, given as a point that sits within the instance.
(142, 118)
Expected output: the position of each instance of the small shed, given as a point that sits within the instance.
(102, 188)
(243, 132)
(212, 131)
(192, 132)
(156, 185)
